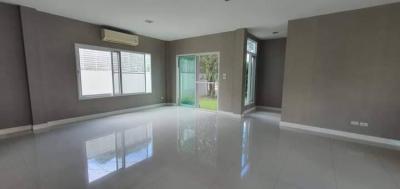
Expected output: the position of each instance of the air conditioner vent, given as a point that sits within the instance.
(119, 37)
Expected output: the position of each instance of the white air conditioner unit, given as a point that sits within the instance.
(119, 37)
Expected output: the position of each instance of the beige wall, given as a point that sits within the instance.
(230, 45)
(342, 67)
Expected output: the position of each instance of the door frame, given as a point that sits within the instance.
(254, 82)
(177, 79)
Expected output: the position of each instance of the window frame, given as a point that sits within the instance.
(251, 88)
(111, 50)
(249, 39)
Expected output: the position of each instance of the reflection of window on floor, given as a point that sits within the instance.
(138, 145)
(101, 157)
(245, 148)
(130, 147)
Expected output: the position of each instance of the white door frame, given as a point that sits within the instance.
(178, 80)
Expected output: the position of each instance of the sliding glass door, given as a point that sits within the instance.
(198, 80)
(207, 81)
(187, 78)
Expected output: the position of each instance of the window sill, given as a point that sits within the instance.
(93, 97)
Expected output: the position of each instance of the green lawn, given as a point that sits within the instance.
(208, 103)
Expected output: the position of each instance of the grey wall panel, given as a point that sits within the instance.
(343, 67)
(297, 78)
(33, 64)
(14, 101)
(49, 45)
(238, 66)
(270, 71)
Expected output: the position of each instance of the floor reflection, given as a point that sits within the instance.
(101, 157)
(117, 151)
(245, 161)
(138, 145)
(186, 148)
(198, 138)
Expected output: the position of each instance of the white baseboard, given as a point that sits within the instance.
(364, 139)
(268, 108)
(38, 127)
(249, 110)
(199, 109)
(14, 130)
(229, 114)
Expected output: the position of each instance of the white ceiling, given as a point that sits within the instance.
(178, 19)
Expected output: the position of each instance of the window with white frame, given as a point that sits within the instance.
(250, 72)
(106, 72)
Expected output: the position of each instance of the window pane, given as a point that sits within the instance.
(148, 73)
(95, 72)
(250, 73)
(133, 76)
(246, 76)
(116, 72)
(251, 46)
(253, 79)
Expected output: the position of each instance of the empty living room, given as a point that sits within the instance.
(207, 94)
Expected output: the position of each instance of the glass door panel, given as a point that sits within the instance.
(207, 82)
(187, 79)
(250, 72)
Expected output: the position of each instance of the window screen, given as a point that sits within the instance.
(133, 74)
(95, 72)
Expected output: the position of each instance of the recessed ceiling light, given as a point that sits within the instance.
(149, 21)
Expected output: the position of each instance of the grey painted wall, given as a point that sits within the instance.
(231, 48)
(14, 101)
(342, 67)
(50, 58)
(42, 55)
(270, 70)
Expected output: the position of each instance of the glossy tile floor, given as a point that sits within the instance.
(181, 148)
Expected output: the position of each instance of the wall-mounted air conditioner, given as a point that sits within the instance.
(119, 37)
